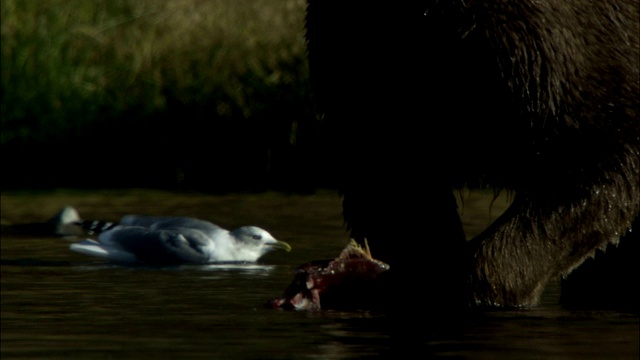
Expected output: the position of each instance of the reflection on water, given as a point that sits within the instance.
(57, 304)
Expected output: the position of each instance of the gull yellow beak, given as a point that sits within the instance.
(280, 245)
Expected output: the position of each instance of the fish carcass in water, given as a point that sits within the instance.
(350, 282)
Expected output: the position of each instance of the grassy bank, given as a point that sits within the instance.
(207, 94)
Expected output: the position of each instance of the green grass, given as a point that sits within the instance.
(130, 74)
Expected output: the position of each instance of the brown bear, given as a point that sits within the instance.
(540, 97)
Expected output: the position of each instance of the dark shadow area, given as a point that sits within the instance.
(609, 280)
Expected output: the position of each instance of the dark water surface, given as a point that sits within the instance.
(56, 304)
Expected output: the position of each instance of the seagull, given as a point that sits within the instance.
(65, 223)
(166, 240)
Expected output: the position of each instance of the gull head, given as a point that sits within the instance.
(254, 242)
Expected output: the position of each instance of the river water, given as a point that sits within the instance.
(56, 304)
